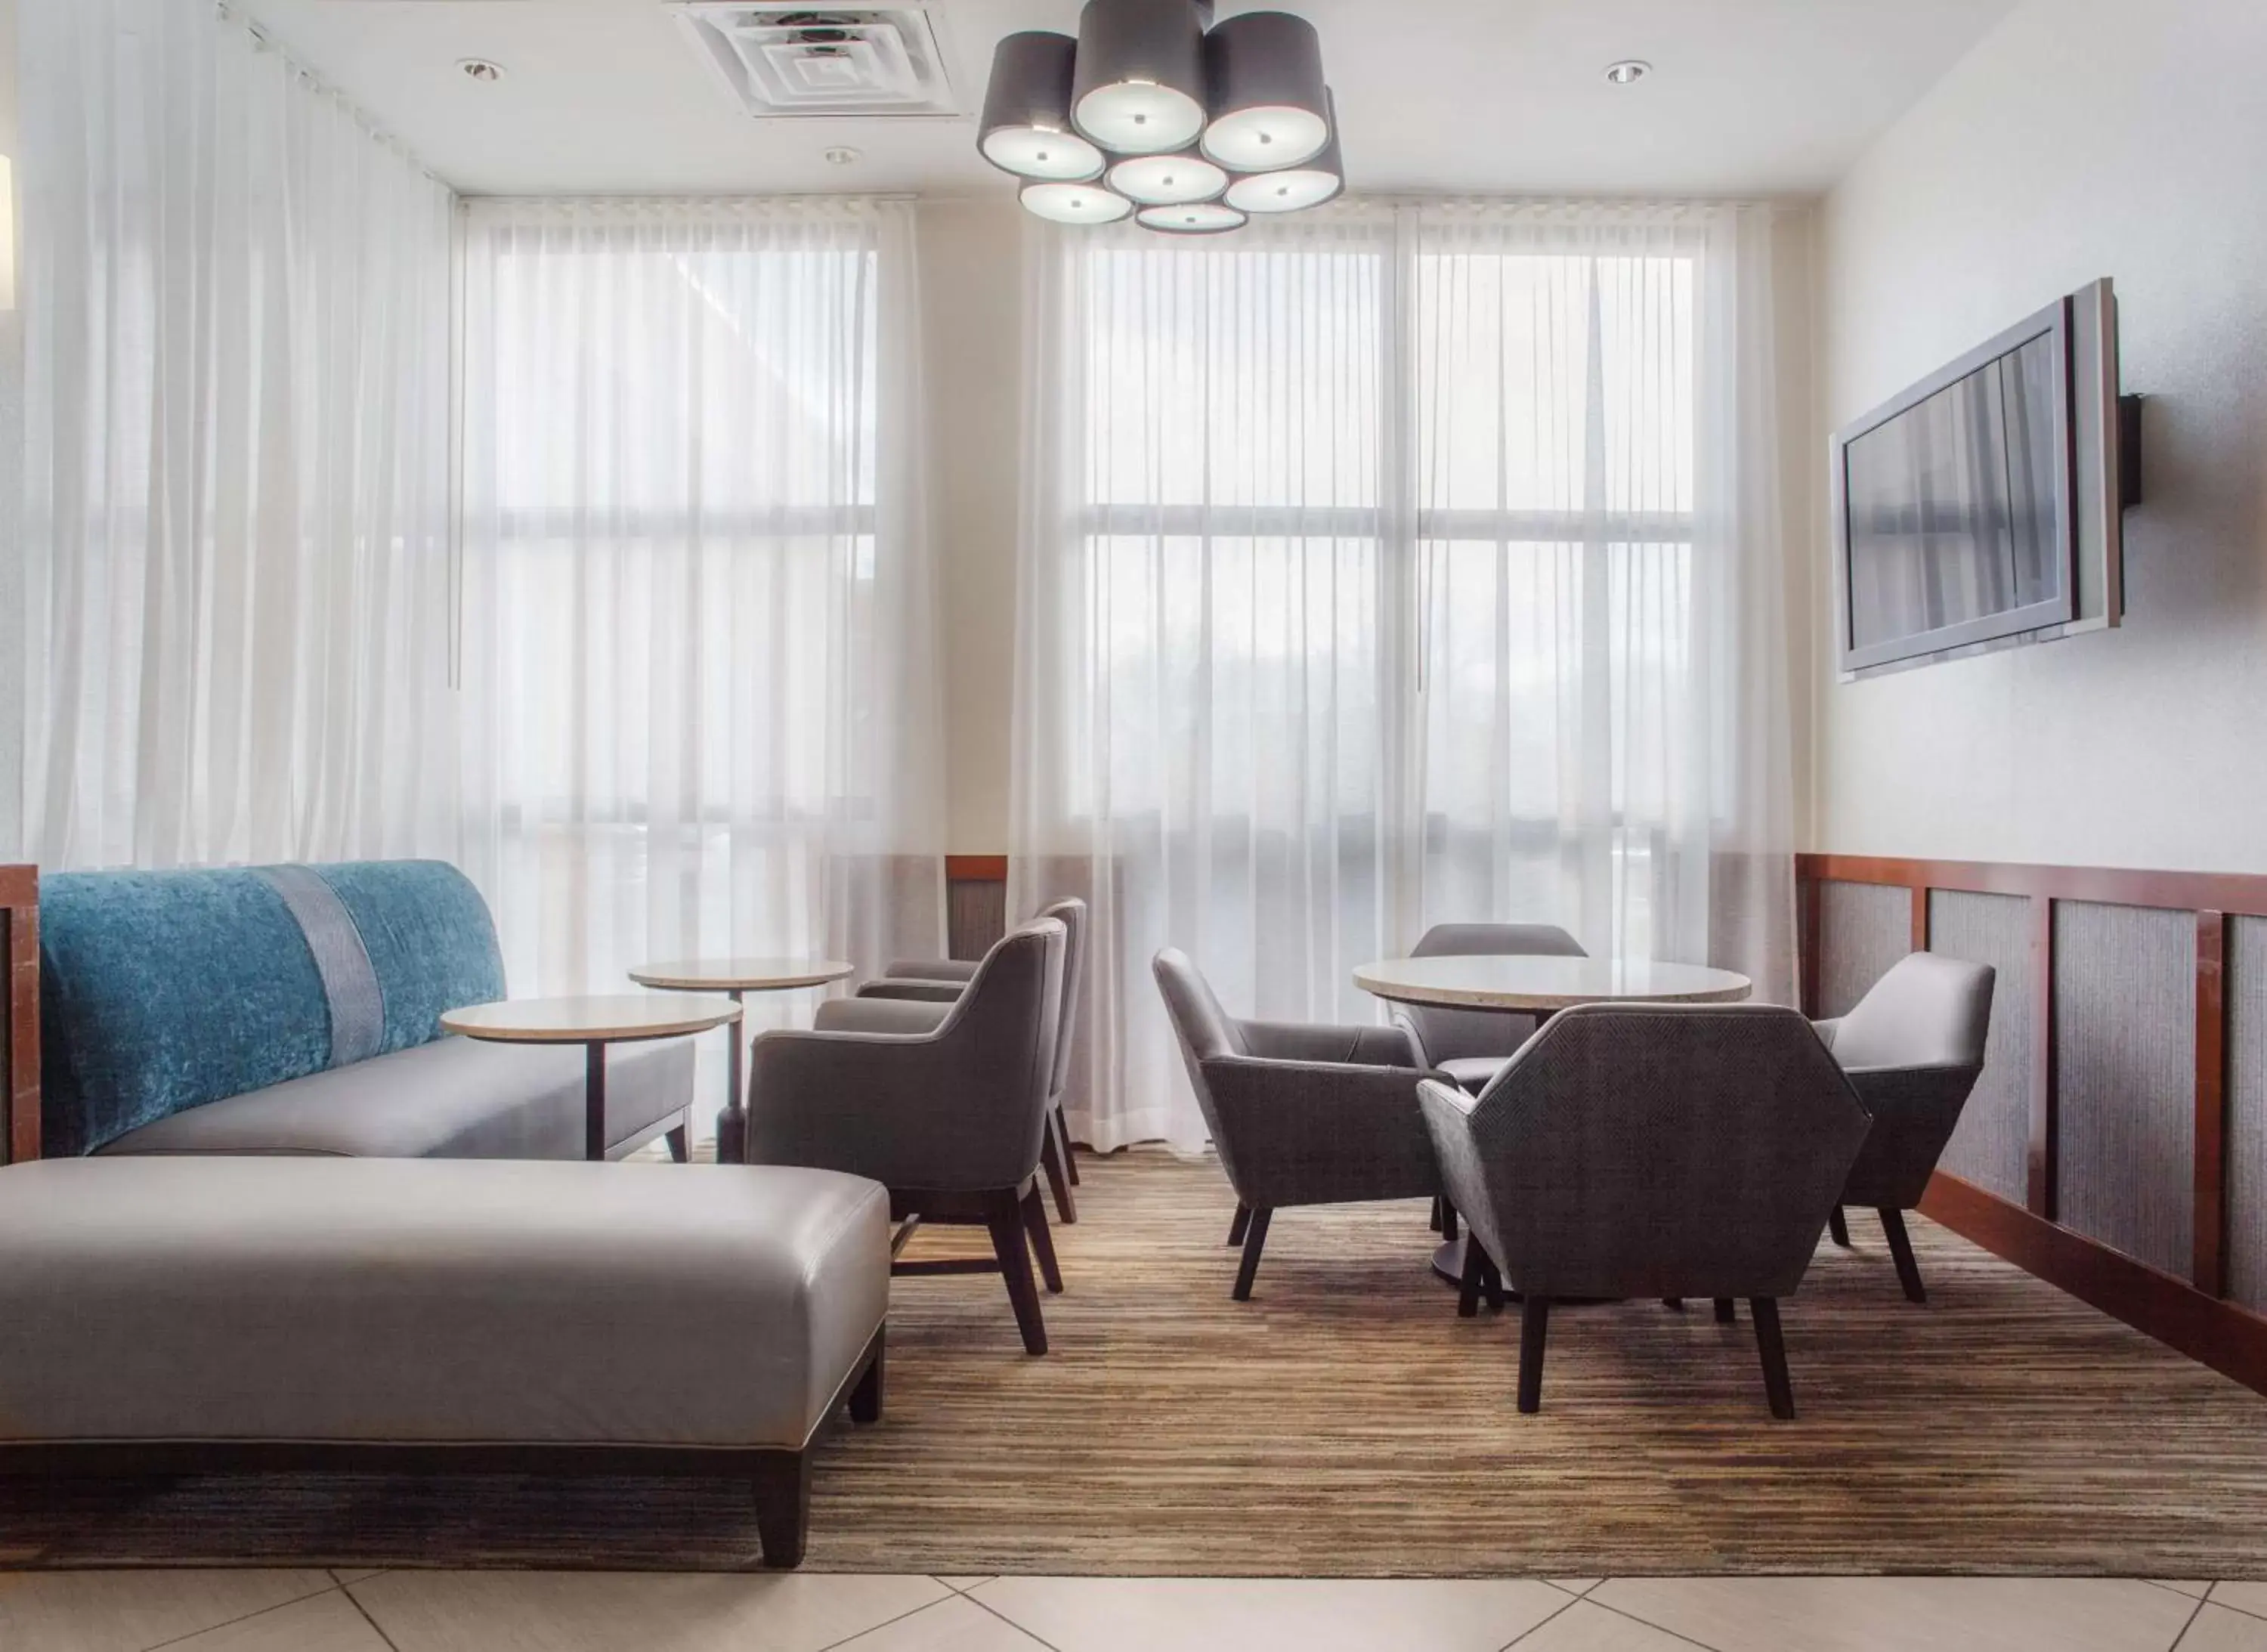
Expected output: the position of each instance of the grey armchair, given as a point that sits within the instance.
(1471, 1045)
(1913, 1049)
(1652, 1151)
(1301, 1115)
(942, 979)
(945, 1107)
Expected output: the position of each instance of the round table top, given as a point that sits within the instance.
(604, 1020)
(1515, 984)
(743, 975)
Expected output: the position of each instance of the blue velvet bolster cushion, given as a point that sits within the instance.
(162, 991)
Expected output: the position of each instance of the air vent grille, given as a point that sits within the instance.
(784, 61)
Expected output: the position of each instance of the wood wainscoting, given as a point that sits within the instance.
(19, 1014)
(975, 903)
(2116, 1145)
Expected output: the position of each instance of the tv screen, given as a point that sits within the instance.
(1956, 520)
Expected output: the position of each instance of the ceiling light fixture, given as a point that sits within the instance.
(482, 69)
(1629, 71)
(1197, 126)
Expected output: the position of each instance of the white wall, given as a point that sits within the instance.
(972, 271)
(2083, 138)
(11, 484)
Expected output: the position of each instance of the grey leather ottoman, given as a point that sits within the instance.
(203, 1314)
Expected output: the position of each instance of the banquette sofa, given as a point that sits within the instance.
(295, 1009)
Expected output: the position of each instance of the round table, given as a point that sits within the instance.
(732, 977)
(594, 1023)
(1541, 987)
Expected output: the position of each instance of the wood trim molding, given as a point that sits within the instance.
(2240, 893)
(19, 997)
(2208, 1268)
(2232, 1341)
(975, 869)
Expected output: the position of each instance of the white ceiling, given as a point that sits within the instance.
(1749, 97)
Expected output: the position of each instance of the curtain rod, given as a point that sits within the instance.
(261, 41)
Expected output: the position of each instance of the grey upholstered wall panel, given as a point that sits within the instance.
(1991, 1148)
(2125, 1059)
(1862, 930)
(2247, 1112)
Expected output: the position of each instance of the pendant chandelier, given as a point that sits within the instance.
(1154, 112)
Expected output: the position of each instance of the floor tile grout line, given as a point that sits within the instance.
(376, 1627)
(950, 1593)
(2211, 1596)
(987, 1606)
(1572, 1601)
(175, 1640)
(2185, 1627)
(1659, 1628)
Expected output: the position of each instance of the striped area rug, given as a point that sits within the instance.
(1345, 1422)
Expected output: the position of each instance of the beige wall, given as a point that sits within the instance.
(2083, 138)
(972, 273)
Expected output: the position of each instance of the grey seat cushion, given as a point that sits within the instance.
(452, 1098)
(392, 1301)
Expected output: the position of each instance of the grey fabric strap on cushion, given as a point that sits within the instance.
(349, 980)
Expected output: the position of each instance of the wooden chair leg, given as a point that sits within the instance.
(782, 1493)
(1006, 1222)
(1448, 1228)
(1468, 1288)
(1491, 1282)
(1676, 1302)
(1772, 1346)
(1243, 1222)
(680, 1143)
(1070, 1156)
(1534, 1326)
(1901, 1251)
(1724, 1310)
(1838, 1227)
(1255, 1240)
(866, 1398)
(1042, 1242)
(1439, 1204)
(1051, 1160)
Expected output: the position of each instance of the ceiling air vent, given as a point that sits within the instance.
(787, 59)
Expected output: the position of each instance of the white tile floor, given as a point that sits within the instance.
(567, 1611)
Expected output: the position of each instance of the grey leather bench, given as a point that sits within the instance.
(195, 1315)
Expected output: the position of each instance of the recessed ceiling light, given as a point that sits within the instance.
(482, 69)
(1629, 71)
(845, 156)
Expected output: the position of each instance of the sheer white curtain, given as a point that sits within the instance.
(1390, 567)
(699, 654)
(1605, 721)
(1202, 744)
(236, 503)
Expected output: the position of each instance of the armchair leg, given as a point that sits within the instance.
(1052, 1160)
(1724, 1312)
(1237, 1228)
(680, 1143)
(781, 1492)
(1534, 1326)
(866, 1398)
(1491, 1282)
(1468, 1288)
(1448, 1221)
(1070, 1158)
(1893, 1225)
(1042, 1242)
(1676, 1303)
(1005, 1219)
(1255, 1240)
(1772, 1346)
(1439, 1204)
(1838, 1227)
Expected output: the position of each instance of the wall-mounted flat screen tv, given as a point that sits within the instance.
(1965, 509)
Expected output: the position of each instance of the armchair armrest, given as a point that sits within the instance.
(957, 969)
(882, 1015)
(1304, 1133)
(1399, 1016)
(1356, 1045)
(938, 992)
